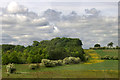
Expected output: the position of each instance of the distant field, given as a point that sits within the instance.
(94, 68)
(111, 52)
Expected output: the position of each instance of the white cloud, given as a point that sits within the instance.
(92, 12)
(13, 7)
(56, 30)
(97, 31)
(43, 27)
(22, 26)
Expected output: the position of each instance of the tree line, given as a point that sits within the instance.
(109, 46)
(54, 49)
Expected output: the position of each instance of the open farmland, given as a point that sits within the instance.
(111, 52)
(94, 68)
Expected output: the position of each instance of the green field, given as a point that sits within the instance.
(107, 52)
(90, 69)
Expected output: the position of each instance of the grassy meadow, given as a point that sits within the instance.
(111, 52)
(94, 68)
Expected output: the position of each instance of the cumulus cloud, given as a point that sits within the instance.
(92, 12)
(52, 15)
(21, 26)
(13, 7)
(97, 29)
(6, 38)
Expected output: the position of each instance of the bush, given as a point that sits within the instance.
(77, 60)
(45, 61)
(48, 63)
(71, 60)
(10, 68)
(55, 62)
(107, 57)
(33, 66)
(60, 62)
(115, 58)
(87, 58)
(66, 60)
(42, 65)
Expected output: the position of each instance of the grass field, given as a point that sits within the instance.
(94, 68)
(111, 52)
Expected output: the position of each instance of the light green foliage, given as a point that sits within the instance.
(57, 62)
(60, 62)
(51, 63)
(42, 65)
(77, 60)
(45, 60)
(48, 63)
(33, 66)
(10, 68)
(71, 60)
(115, 58)
(107, 57)
(66, 60)
(54, 62)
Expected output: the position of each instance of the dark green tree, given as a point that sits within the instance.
(110, 44)
(57, 48)
(5, 59)
(13, 58)
(97, 45)
(35, 43)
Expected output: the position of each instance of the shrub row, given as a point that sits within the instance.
(67, 60)
(53, 63)
(107, 57)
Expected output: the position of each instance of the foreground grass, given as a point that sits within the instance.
(106, 69)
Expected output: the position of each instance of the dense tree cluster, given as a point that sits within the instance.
(57, 48)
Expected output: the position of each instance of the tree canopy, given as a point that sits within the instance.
(97, 45)
(54, 49)
(110, 44)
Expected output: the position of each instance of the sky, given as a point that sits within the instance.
(23, 21)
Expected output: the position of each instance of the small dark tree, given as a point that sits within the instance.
(117, 46)
(110, 44)
(97, 45)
